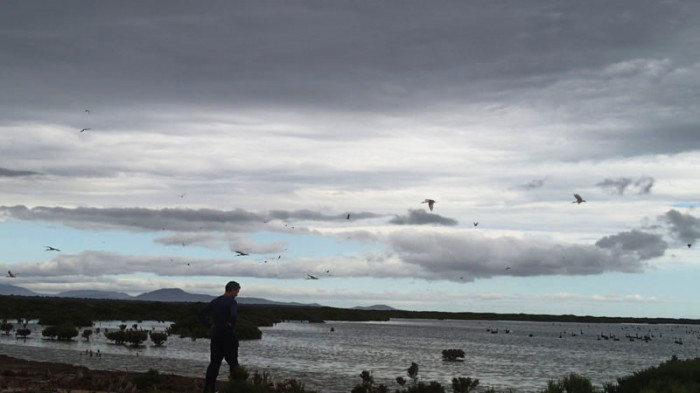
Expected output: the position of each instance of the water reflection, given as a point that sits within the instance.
(525, 358)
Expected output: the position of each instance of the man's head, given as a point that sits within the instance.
(232, 288)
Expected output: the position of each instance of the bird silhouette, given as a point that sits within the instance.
(241, 253)
(87, 111)
(430, 203)
(689, 245)
(10, 274)
(310, 277)
(476, 223)
(49, 248)
(578, 200)
(347, 217)
(85, 129)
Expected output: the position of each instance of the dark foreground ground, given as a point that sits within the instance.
(17, 375)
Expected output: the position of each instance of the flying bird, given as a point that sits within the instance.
(241, 253)
(508, 268)
(476, 223)
(430, 203)
(347, 217)
(689, 245)
(310, 277)
(10, 274)
(578, 200)
(85, 129)
(49, 248)
(87, 111)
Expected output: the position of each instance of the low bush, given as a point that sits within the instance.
(158, 338)
(673, 376)
(572, 383)
(452, 355)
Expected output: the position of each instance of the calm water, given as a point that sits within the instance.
(330, 361)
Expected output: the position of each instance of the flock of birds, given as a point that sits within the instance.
(431, 204)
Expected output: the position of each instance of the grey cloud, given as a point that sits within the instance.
(309, 215)
(4, 172)
(422, 217)
(139, 219)
(639, 186)
(644, 245)
(683, 227)
(533, 184)
(206, 240)
(168, 219)
(92, 265)
(468, 256)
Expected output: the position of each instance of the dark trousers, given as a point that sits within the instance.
(222, 346)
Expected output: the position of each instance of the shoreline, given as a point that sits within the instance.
(20, 375)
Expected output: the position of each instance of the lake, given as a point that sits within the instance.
(330, 357)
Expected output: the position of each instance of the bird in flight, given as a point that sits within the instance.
(508, 268)
(476, 223)
(430, 203)
(689, 245)
(49, 248)
(87, 111)
(10, 274)
(578, 200)
(182, 195)
(85, 129)
(310, 277)
(347, 217)
(241, 253)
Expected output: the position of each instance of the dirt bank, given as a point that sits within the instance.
(17, 375)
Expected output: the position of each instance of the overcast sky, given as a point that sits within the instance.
(150, 141)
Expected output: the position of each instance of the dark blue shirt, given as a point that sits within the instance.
(224, 311)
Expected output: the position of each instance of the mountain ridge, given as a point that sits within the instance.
(158, 295)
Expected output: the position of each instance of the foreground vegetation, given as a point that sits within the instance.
(673, 376)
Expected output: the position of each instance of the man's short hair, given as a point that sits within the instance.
(232, 285)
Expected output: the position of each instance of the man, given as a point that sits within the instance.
(224, 343)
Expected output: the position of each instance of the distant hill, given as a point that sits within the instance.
(173, 295)
(92, 294)
(380, 307)
(159, 295)
(7, 289)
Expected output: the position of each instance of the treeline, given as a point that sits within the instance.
(84, 312)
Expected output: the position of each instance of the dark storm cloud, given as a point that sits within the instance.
(4, 172)
(167, 219)
(644, 245)
(370, 55)
(683, 227)
(422, 217)
(639, 186)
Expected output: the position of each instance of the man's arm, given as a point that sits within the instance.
(234, 314)
(202, 313)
